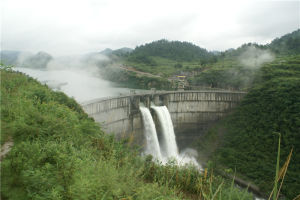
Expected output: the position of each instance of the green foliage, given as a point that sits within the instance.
(227, 74)
(189, 180)
(175, 50)
(206, 69)
(5, 67)
(287, 44)
(143, 59)
(178, 65)
(60, 153)
(272, 105)
(134, 80)
(165, 67)
(166, 58)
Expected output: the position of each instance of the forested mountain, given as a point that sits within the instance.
(26, 59)
(39, 60)
(272, 106)
(106, 51)
(185, 51)
(9, 57)
(287, 44)
(271, 75)
(123, 51)
(118, 52)
(236, 68)
(235, 53)
(175, 50)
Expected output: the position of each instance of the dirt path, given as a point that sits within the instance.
(131, 69)
(5, 148)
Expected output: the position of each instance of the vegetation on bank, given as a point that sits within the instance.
(288, 44)
(130, 79)
(165, 67)
(174, 50)
(272, 106)
(232, 69)
(61, 153)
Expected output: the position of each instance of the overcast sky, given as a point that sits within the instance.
(63, 27)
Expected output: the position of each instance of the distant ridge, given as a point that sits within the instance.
(26, 59)
(180, 51)
(287, 44)
(118, 52)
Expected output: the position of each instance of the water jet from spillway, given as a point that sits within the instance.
(167, 149)
(152, 144)
(169, 139)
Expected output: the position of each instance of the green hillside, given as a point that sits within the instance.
(61, 153)
(237, 68)
(287, 44)
(175, 50)
(271, 106)
(131, 79)
(228, 69)
(166, 58)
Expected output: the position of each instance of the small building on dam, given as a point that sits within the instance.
(192, 112)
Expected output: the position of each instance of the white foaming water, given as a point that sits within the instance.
(169, 141)
(169, 149)
(152, 144)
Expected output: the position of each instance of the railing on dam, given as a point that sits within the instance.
(120, 115)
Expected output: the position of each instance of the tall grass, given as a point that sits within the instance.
(280, 174)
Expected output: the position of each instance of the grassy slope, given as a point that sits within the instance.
(164, 67)
(131, 79)
(223, 71)
(60, 153)
(272, 105)
(227, 73)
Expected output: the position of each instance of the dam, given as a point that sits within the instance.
(192, 112)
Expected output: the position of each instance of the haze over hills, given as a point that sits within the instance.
(26, 59)
(174, 50)
(231, 69)
(185, 51)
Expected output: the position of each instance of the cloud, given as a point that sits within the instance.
(254, 58)
(81, 26)
(269, 19)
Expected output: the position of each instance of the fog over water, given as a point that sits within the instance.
(78, 83)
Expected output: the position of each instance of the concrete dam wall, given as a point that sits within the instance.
(191, 111)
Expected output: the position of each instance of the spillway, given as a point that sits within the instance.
(170, 148)
(152, 144)
(166, 149)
